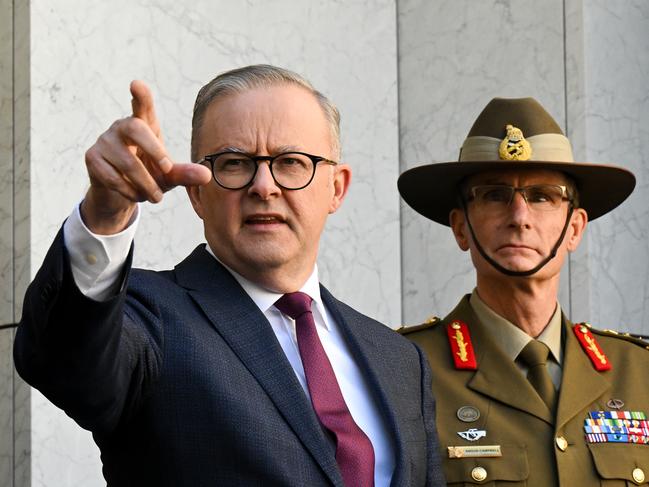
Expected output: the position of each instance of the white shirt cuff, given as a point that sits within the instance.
(97, 260)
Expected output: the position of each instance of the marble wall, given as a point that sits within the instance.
(616, 64)
(409, 76)
(14, 242)
(6, 239)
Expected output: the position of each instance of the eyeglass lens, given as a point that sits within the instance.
(544, 197)
(290, 170)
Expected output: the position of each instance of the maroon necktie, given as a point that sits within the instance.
(354, 452)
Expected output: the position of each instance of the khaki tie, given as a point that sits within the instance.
(535, 356)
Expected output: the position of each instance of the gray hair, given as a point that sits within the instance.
(258, 76)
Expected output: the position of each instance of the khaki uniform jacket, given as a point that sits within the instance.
(514, 416)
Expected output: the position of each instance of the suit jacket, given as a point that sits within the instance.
(514, 417)
(182, 382)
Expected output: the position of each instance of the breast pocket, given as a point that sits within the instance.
(511, 469)
(621, 464)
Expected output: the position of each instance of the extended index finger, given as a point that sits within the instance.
(143, 106)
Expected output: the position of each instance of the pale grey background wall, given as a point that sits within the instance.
(409, 77)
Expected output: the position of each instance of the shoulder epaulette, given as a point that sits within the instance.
(629, 337)
(598, 358)
(432, 321)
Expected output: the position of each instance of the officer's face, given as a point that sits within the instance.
(268, 234)
(518, 236)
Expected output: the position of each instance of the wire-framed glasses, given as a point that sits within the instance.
(543, 197)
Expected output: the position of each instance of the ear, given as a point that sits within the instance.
(341, 180)
(194, 193)
(577, 226)
(458, 225)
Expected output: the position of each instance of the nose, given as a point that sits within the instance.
(263, 185)
(519, 210)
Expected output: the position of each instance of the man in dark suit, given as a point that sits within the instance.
(236, 367)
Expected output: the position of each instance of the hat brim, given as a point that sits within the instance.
(432, 189)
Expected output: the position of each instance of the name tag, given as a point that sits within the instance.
(481, 451)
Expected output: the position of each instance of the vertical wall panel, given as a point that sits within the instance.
(579, 277)
(6, 240)
(21, 230)
(617, 119)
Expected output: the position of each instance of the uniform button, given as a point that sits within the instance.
(638, 475)
(562, 443)
(479, 474)
(91, 259)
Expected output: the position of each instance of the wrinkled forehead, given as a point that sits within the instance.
(516, 177)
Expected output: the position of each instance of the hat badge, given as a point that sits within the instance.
(514, 147)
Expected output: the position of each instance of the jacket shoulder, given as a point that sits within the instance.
(638, 340)
(429, 323)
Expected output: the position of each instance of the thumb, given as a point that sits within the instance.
(191, 174)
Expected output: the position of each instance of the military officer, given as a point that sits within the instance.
(524, 396)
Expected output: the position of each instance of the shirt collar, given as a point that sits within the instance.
(510, 337)
(266, 299)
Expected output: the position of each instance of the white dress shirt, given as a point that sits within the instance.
(97, 261)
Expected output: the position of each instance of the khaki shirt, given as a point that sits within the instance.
(512, 339)
(497, 410)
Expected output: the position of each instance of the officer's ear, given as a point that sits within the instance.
(578, 222)
(457, 220)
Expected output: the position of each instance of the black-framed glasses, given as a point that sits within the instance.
(290, 170)
(495, 197)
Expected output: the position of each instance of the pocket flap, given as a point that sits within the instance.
(626, 461)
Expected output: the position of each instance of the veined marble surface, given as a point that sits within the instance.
(6, 407)
(6, 162)
(617, 131)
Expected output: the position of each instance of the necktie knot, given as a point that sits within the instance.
(294, 304)
(535, 353)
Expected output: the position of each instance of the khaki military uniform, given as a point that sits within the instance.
(536, 449)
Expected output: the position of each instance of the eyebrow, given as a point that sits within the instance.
(287, 148)
(279, 150)
(232, 149)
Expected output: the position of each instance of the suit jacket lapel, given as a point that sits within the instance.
(579, 377)
(248, 333)
(374, 369)
(496, 369)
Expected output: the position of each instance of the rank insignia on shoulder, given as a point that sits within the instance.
(461, 346)
(430, 322)
(591, 347)
(640, 340)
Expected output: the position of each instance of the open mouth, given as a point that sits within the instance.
(264, 220)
